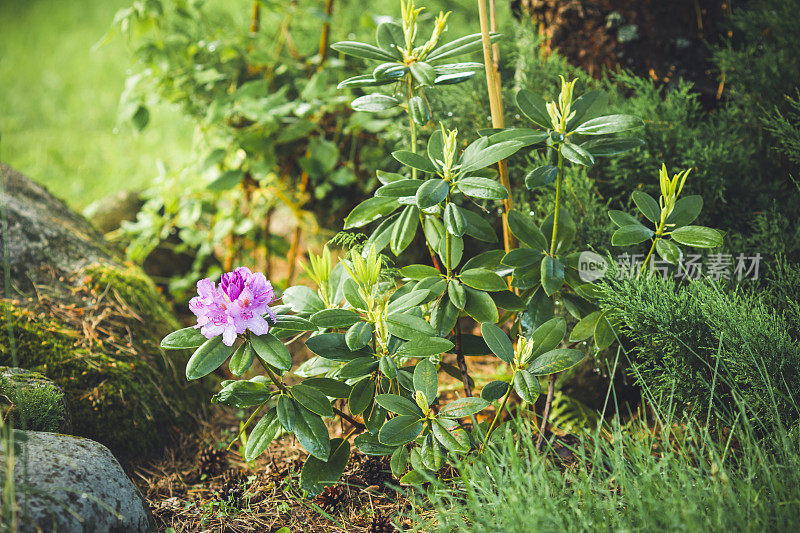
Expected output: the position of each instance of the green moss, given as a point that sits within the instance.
(35, 402)
(122, 389)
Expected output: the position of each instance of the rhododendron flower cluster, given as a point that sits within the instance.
(238, 304)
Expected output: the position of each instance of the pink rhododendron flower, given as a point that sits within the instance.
(238, 304)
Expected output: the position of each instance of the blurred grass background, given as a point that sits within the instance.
(59, 96)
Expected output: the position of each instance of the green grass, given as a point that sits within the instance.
(59, 95)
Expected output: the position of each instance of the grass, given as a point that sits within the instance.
(58, 102)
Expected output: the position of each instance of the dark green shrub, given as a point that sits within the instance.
(705, 347)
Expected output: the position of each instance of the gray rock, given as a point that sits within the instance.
(74, 485)
(34, 402)
(108, 213)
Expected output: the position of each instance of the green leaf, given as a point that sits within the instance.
(647, 206)
(425, 347)
(372, 103)
(286, 412)
(697, 236)
(611, 146)
(363, 80)
(272, 351)
(390, 37)
(576, 154)
(566, 228)
(368, 444)
(547, 336)
(494, 390)
(293, 323)
(630, 235)
(312, 399)
(483, 279)
(454, 220)
(399, 188)
(410, 159)
(262, 435)
(585, 327)
(686, 210)
(480, 306)
(358, 335)
(303, 300)
(334, 318)
(533, 107)
(369, 210)
(463, 407)
(398, 405)
(524, 136)
(478, 227)
(621, 218)
(207, 358)
(226, 181)
(444, 316)
(399, 461)
(242, 394)
(387, 366)
(419, 110)
(317, 474)
(524, 228)
(242, 359)
(552, 274)
(462, 45)
(362, 50)
(508, 300)
(488, 156)
(311, 432)
(361, 395)
(527, 386)
(604, 335)
(405, 229)
(668, 251)
(609, 124)
(522, 257)
(400, 430)
(329, 387)
(333, 346)
(498, 342)
(483, 188)
(426, 380)
(432, 193)
(409, 327)
(456, 251)
(408, 300)
(418, 272)
(358, 367)
(448, 440)
(555, 361)
(424, 73)
(457, 294)
(541, 176)
(587, 106)
(183, 338)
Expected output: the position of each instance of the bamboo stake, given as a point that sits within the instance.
(496, 107)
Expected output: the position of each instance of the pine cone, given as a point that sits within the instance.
(374, 471)
(234, 485)
(332, 497)
(381, 524)
(212, 462)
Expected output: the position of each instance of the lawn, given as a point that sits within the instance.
(59, 94)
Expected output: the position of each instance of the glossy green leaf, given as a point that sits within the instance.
(552, 271)
(361, 395)
(647, 206)
(611, 146)
(426, 380)
(413, 160)
(419, 110)
(630, 235)
(604, 335)
(541, 176)
(333, 346)
(576, 154)
(358, 335)
(241, 394)
(609, 124)
(457, 294)
(207, 358)
(312, 399)
(419, 272)
(425, 347)
(398, 404)
(359, 367)
(369, 210)
(183, 338)
(697, 236)
(286, 412)
(498, 342)
(533, 107)
(317, 474)
(462, 45)
(334, 318)
(686, 210)
(272, 351)
(480, 306)
(303, 300)
(387, 366)
(463, 407)
(400, 188)
(399, 461)
(444, 316)
(424, 73)
(400, 430)
(524, 228)
(478, 227)
(362, 50)
(373, 103)
(555, 361)
(621, 218)
(668, 251)
(454, 221)
(489, 155)
(448, 439)
(368, 444)
(409, 327)
(483, 279)
(431, 193)
(522, 257)
(262, 435)
(405, 229)
(585, 327)
(527, 386)
(494, 390)
(329, 386)
(242, 359)
(547, 336)
(311, 433)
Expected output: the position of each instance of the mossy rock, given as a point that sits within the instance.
(32, 401)
(91, 323)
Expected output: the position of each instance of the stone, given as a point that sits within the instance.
(109, 213)
(78, 314)
(75, 485)
(33, 401)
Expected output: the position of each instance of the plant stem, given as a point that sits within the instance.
(461, 360)
(558, 197)
(325, 35)
(496, 417)
(551, 387)
(255, 17)
(496, 107)
(413, 126)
